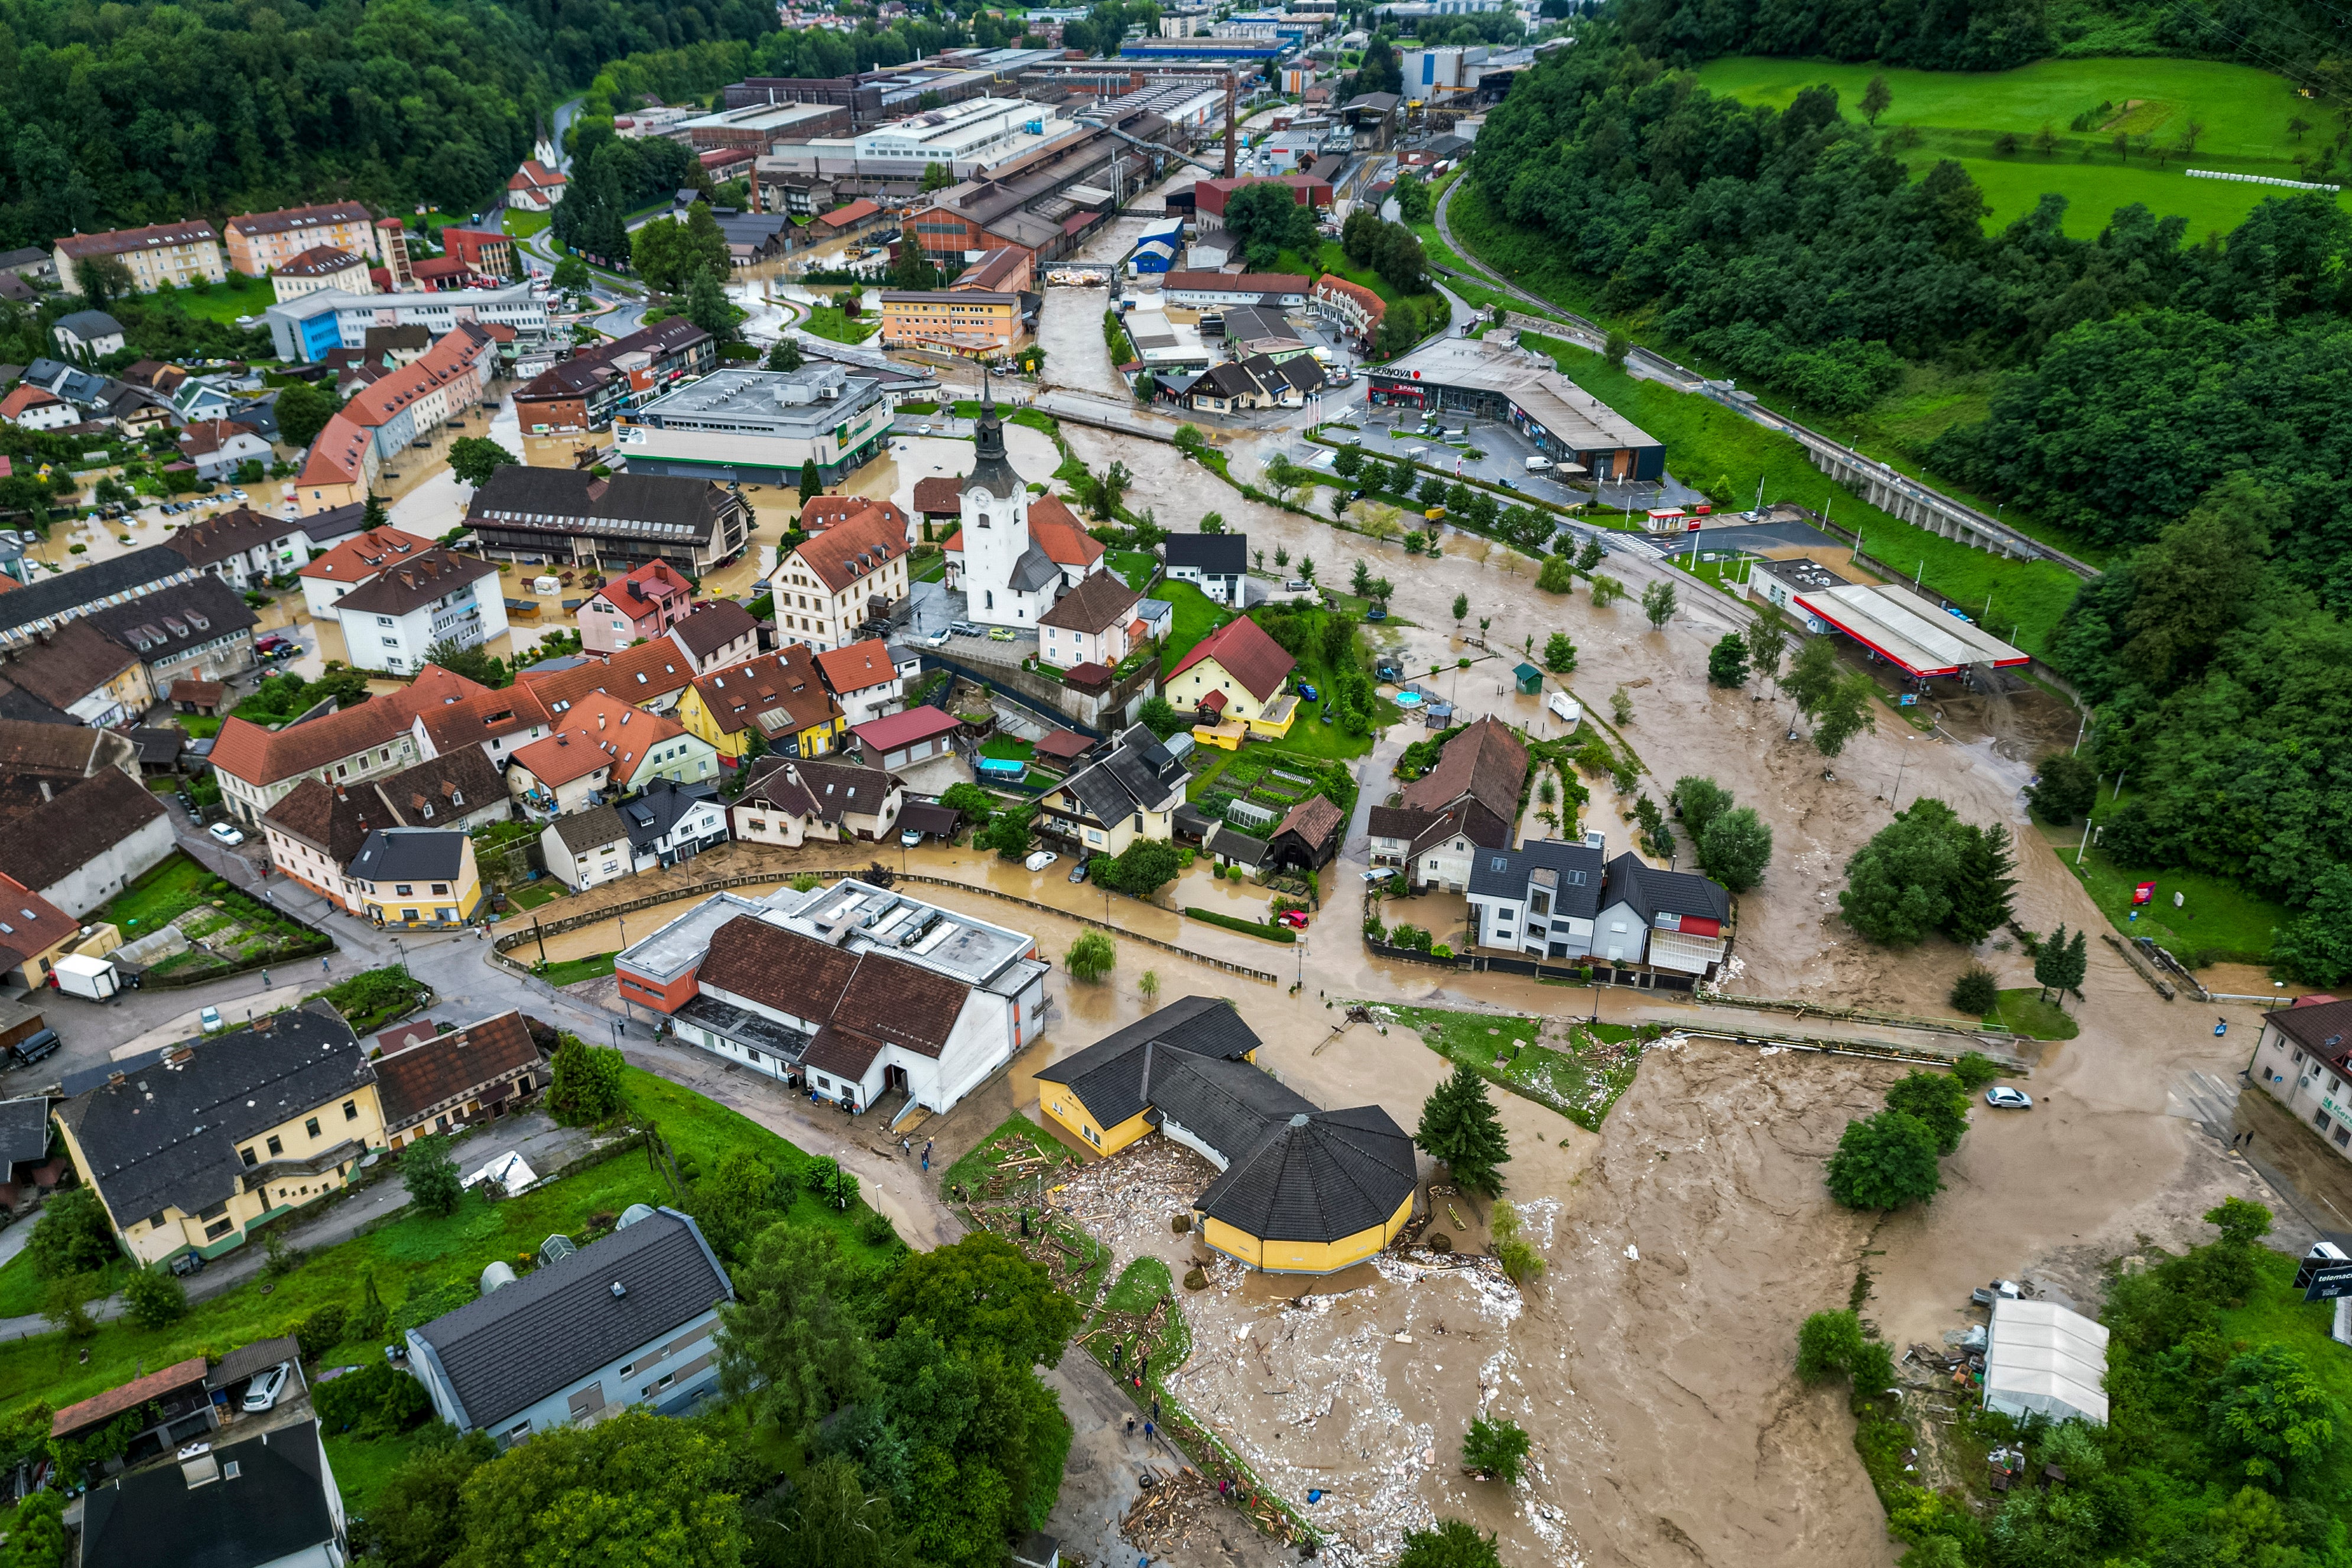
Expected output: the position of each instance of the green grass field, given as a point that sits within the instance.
(1958, 115)
(521, 224)
(223, 302)
(2027, 1012)
(1704, 439)
(1581, 1084)
(827, 321)
(1134, 567)
(1196, 615)
(571, 971)
(2218, 921)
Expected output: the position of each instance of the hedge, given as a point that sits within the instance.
(1266, 928)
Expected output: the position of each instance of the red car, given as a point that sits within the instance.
(1294, 918)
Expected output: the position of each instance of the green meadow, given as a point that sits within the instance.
(2246, 115)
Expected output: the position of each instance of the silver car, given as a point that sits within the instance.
(2001, 1097)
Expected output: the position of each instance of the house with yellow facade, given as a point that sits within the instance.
(1235, 676)
(1299, 1191)
(190, 1150)
(415, 876)
(778, 700)
(1131, 792)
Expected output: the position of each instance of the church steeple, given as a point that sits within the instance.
(990, 472)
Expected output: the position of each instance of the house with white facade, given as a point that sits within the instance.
(242, 547)
(671, 822)
(626, 1321)
(435, 596)
(586, 848)
(1216, 564)
(2302, 1060)
(851, 992)
(869, 679)
(788, 800)
(1093, 623)
(1672, 920)
(1540, 899)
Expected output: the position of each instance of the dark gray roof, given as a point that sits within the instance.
(336, 523)
(1652, 893)
(591, 830)
(1135, 773)
(566, 500)
(411, 854)
(1108, 1074)
(1240, 848)
(1571, 871)
(274, 1509)
(23, 1133)
(1035, 572)
(650, 816)
(247, 1359)
(168, 1134)
(557, 1323)
(88, 325)
(1229, 1106)
(1317, 1176)
(1220, 555)
(49, 598)
(169, 620)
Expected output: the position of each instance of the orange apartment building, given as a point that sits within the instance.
(260, 243)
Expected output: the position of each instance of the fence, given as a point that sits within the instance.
(507, 941)
(1484, 963)
(2259, 180)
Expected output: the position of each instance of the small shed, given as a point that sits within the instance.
(1531, 679)
(1231, 846)
(1063, 748)
(2044, 1360)
(930, 819)
(198, 696)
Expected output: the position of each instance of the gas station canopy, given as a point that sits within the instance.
(1899, 627)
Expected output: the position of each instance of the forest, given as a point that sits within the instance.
(2177, 404)
(134, 113)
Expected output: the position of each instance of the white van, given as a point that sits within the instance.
(1538, 465)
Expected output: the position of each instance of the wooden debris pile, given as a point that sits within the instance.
(1181, 1508)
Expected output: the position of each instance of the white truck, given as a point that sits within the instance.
(80, 976)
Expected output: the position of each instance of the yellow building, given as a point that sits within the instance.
(160, 255)
(1301, 1190)
(776, 699)
(973, 322)
(415, 876)
(1235, 675)
(35, 933)
(188, 1153)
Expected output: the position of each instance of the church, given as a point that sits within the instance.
(1013, 556)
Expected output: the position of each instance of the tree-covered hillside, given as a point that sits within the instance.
(142, 113)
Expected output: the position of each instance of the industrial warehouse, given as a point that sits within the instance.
(1491, 378)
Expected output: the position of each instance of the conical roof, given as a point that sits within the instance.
(990, 472)
(1319, 1177)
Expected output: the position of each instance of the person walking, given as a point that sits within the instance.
(1130, 1424)
(1151, 1432)
(1117, 1356)
(1155, 1407)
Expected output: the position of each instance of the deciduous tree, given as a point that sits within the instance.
(430, 1176)
(1885, 1161)
(981, 1293)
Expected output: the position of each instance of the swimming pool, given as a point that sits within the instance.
(1408, 699)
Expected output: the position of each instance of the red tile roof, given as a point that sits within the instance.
(1243, 651)
(894, 730)
(783, 682)
(645, 672)
(841, 217)
(598, 731)
(262, 757)
(857, 666)
(106, 1406)
(855, 549)
(939, 495)
(454, 1066)
(364, 555)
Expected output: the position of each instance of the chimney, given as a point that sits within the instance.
(44, 791)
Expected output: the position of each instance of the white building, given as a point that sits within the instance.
(852, 991)
(1012, 558)
(971, 138)
(2302, 1058)
(435, 596)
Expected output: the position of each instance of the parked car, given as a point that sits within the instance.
(263, 1391)
(1041, 860)
(1000, 633)
(1294, 918)
(968, 629)
(1298, 585)
(911, 837)
(939, 637)
(188, 1263)
(1078, 871)
(2001, 1097)
(1306, 689)
(221, 832)
(209, 1020)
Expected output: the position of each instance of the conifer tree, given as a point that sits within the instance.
(1459, 1127)
(1981, 887)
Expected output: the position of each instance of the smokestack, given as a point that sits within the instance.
(1231, 131)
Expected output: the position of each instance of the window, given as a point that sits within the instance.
(276, 1146)
(404, 889)
(219, 1229)
(351, 1110)
(246, 1155)
(441, 889)
(311, 1126)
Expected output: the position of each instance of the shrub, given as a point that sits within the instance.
(1886, 1162)
(1196, 1279)
(1497, 1447)
(587, 1088)
(72, 1235)
(154, 1298)
(376, 1401)
(430, 1176)
(1976, 1070)
(874, 1227)
(1975, 992)
(321, 1332)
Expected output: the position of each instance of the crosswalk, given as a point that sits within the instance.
(2205, 1098)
